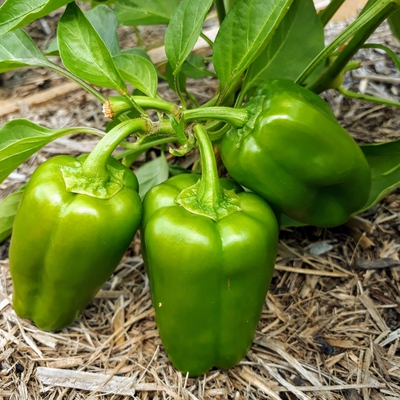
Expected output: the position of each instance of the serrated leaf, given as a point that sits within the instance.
(245, 32)
(184, 29)
(194, 67)
(84, 53)
(288, 53)
(144, 12)
(17, 50)
(8, 210)
(17, 13)
(20, 138)
(384, 161)
(139, 72)
(151, 174)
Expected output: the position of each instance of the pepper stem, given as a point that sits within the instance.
(210, 191)
(95, 166)
(234, 116)
(207, 197)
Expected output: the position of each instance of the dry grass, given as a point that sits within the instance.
(330, 327)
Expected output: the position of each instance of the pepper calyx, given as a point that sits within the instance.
(254, 108)
(76, 182)
(228, 203)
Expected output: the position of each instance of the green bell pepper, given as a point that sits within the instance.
(209, 253)
(76, 219)
(295, 154)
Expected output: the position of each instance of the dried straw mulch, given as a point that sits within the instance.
(330, 327)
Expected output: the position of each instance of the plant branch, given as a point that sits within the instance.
(366, 97)
(234, 116)
(360, 30)
(329, 11)
(77, 80)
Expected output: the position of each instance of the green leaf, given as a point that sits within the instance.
(297, 40)
(101, 2)
(391, 53)
(104, 20)
(20, 138)
(139, 72)
(285, 222)
(137, 51)
(184, 29)
(144, 12)
(171, 78)
(394, 23)
(52, 50)
(178, 170)
(244, 33)
(194, 67)
(8, 209)
(151, 174)
(17, 13)
(384, 160)
(17, 50)
(84, 53)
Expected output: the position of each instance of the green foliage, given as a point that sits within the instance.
(194, 67)
(257, 41)
(151, 174)
(288, 53)
(17, 13)
(8, 209)
(84, 53)
(394, 23)
(384, 160)
(17, 50)
(184, 30)
(243, 35)
(144, 12)
(139, 72)
(21, 138)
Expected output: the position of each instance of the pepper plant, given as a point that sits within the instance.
(276, 136)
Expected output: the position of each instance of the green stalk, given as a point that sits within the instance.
(178, 90)
(77, 80)
(209, 191)
(366, 97)
(360, 30)
(329, 11)
(207, 39)
(234, 116)
(323, 82)
(115, 105)
(95, 166)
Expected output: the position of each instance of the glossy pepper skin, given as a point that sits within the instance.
(208, 278)
(65, 245)
(298, 157)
